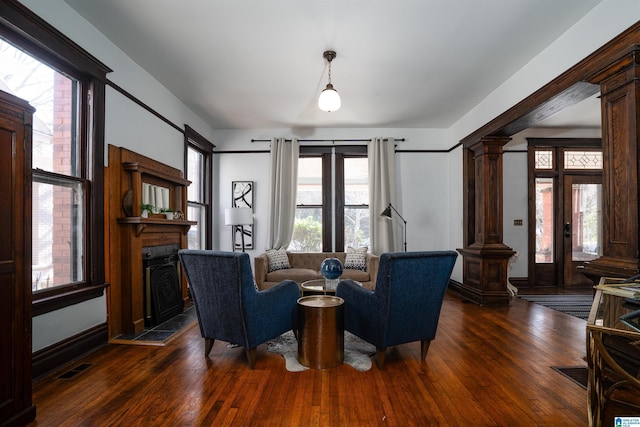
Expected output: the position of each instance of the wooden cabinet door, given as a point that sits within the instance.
(16, 406)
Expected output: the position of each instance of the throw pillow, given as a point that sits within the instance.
(355, 259)
(278, 259)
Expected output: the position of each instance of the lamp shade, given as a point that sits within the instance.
(387, 212)
(329, 99)
(238, 216)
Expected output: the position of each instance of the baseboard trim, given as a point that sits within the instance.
(65, 352)
(519, 282)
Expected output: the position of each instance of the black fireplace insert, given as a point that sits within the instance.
(163, 293)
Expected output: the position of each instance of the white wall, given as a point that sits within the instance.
(127, 125)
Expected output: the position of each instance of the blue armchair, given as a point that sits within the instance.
(228, 304)
(405, 305)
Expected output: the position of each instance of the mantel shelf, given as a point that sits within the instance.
(140, 220)
(142, 223)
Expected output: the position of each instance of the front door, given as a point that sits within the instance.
(582, 226)
(565, 210)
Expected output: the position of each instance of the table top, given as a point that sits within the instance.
(318, 285)
(613, 311)
(320, 301)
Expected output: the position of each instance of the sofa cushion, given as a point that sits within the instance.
(278, 259)
(355, 259)
(357, 275)
(298, 275)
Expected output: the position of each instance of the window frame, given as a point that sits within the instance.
(333, 227)
(194, 140)
(30, 33)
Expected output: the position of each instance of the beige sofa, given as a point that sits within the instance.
(306, 266)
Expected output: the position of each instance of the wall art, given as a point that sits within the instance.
(242, 197)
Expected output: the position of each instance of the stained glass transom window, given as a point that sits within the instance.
(582, 159)
(544, 159)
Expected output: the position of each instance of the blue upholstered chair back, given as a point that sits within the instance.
(410, 288)
(229, 306)
(405, 305)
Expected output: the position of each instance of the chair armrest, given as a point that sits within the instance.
(352, 289)
(261, 268)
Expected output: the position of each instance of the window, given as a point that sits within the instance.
(198, 167)
(58, 185)
(332, 201)
(66, 85)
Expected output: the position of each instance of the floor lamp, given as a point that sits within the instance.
(238, 218)
(388, 215)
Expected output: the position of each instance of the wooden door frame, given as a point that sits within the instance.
(557, 145)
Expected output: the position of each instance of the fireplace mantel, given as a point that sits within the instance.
(129, 232)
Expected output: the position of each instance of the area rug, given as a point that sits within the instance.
(357, 352)
(577, 374)
(575, 305)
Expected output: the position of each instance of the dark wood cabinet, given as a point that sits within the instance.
(16, 407)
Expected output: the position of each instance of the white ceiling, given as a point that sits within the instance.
(400, 63)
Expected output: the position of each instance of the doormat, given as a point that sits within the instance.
(577, 374)
(162, 334)
(575, 305)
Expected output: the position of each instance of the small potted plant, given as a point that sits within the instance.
(168, 212)
(145, 210)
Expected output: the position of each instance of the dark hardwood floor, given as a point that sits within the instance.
(486, 367)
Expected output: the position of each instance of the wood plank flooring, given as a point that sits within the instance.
(486, 367)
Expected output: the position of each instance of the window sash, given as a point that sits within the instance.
(335, 217)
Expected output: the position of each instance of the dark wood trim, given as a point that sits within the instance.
(519, 282)
(564, 142)
(31, 33)
(65, 352)
(242, 152)
(339, 202)
(570, 87)
(327, 204)
(70, 297)
(202, 144)
(143, 105)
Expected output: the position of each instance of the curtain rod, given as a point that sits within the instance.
(327, 140)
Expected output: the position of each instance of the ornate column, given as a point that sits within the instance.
(620, 100)
(485, 257)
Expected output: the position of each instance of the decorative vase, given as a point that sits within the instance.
(331, 269)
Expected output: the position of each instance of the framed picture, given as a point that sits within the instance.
(242, 197)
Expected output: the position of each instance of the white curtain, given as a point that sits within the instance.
(282, 196)
(382, 191)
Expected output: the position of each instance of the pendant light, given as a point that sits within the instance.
(329, 99)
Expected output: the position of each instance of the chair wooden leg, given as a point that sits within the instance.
(424, 348)
(208, 345)
(380, 355)
(251, 356)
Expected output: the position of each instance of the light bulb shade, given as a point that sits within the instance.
(386, 213)
(329, 99)
(238, 216)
